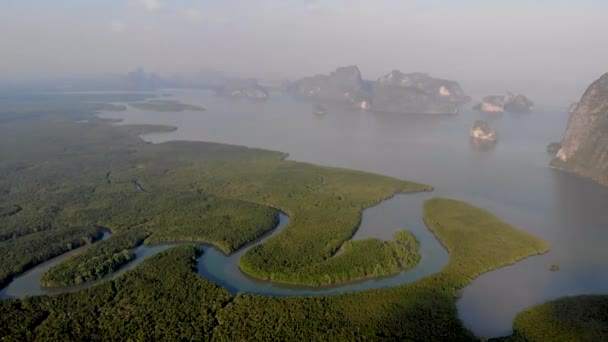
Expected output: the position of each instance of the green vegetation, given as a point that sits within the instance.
(324, 205)
(9, 210)
(366, 258)
(75, 106)
(68, 175)
(165, 292)
(165, 106)
(163, 299)
(97, 261)
(77, 174)
(582, 318)
(458, 223)
(227, 224)
(554, 268)
(21, 254)
(423, 311)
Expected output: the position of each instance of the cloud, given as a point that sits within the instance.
(150, 5)
(117, 26)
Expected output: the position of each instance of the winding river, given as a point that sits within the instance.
(223, 269)
(512, 180)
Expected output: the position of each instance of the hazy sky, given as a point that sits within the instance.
(558, 41)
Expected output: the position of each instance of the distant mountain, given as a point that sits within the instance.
(243, 88)
(505, 103)
(398, 92)
(343, 85)
(584, 148)
(395, 92)
(140, 80)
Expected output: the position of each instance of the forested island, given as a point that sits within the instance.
(71, 176)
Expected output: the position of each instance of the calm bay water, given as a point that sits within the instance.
(512, 180)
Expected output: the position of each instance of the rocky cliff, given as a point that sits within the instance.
(343, 85)
(584, 148)
(398, 92)
(518, 103)
(505, 103)
(483, 132)
(247, 89)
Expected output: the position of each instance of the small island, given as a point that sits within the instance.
(483, 133)
(165, 106)
(248, 89)
(505, 103)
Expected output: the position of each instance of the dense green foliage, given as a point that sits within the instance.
(165, 106)
(20, 254)
(226, 223)
(467, 228)
(324, 205)
(421, 311)
(129, 307)
(82, 173)
(161, 300)
(97, 261)
(366, 258)
(582, 318)
(66, 175)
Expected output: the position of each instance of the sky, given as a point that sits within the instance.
(478, 42)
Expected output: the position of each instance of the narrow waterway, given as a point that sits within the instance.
(403, 211)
